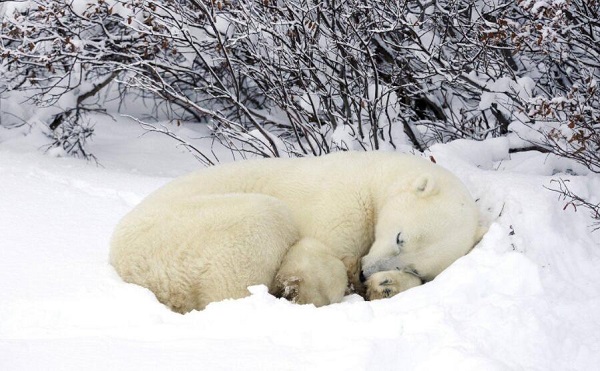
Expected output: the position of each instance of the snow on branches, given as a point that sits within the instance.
(307, 77)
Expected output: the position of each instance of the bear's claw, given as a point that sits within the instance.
(389, 283)
(288, 288)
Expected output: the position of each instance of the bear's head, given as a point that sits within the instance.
(423, 227)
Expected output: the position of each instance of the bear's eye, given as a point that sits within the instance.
(399, 239)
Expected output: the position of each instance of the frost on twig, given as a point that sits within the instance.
(575, 201)
(162, 129)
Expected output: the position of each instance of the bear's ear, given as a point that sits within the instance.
(425, 186)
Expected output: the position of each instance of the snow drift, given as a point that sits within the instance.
(527, 297)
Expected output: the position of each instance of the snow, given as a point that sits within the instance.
(527, 297)
(497, 91)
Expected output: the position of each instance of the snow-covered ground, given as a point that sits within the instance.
(526, 298)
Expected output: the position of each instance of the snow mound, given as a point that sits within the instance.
(527, 297)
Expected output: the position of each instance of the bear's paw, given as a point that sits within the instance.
(389, 283)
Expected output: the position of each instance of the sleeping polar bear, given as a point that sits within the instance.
(299, 226)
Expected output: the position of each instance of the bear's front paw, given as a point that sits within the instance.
(389, 283)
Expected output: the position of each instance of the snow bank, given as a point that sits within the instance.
(527, 297)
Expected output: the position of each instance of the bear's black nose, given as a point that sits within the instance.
(361, 277)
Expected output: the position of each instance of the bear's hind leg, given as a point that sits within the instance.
(197, 250)
(308, 275)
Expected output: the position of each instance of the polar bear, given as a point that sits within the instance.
(298, 226)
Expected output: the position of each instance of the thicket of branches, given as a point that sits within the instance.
(298, 77)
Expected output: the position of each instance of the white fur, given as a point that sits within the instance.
(194, 250)
(206, 236)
